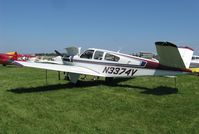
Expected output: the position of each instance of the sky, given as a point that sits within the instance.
(34, 26)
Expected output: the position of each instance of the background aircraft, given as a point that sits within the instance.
(7, 58)
(172, 60)
(195, 64)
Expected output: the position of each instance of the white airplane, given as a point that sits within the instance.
(194, 65)
(194, 62)
(173, 60)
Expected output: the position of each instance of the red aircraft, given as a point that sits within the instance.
(7, 58)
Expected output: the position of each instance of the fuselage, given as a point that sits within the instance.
(115, 64)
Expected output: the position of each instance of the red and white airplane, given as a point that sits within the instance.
(172, 60)
(7, 58)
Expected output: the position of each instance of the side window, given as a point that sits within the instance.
(98, 55)
(111, 57)
(88, 54)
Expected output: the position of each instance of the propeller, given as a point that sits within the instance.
(64, 57)
(58, 53)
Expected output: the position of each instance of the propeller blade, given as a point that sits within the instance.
(58, 53)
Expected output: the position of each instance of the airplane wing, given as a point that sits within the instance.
(58, 67)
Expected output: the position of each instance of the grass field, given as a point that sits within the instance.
(139, 105)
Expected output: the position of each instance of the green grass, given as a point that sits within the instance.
(138, 105)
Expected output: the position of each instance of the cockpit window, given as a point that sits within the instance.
(98, 55)
(111, 57)
(88, 54)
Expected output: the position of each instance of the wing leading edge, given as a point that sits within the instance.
(56, 67)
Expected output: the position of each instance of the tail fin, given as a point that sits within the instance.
(15, 57)
(172, 56)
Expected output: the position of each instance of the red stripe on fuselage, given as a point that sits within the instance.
(156, 65)
(149, 65)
